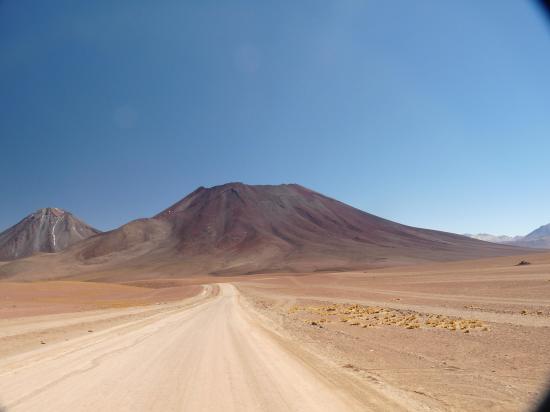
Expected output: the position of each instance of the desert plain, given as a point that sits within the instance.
(468, 335)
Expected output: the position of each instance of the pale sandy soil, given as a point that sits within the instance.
(505, 367)
(276, 342)
(206, 355)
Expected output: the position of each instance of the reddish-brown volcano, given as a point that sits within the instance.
(238, 228)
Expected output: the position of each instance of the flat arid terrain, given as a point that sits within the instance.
(471, 335)
(278, 206)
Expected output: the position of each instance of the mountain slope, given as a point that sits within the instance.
(237, 228)
(46, 230)
(539, 238)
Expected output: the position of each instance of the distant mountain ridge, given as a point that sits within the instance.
(541, 232)
(537, 239)
(486, 237)
(46, 230)
(238, 229)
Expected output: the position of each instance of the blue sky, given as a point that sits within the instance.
(430, 113)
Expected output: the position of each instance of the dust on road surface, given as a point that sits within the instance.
(210, 357)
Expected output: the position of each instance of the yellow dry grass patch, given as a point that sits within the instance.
(370, 316)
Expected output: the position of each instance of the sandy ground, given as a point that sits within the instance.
(209, 355)
(463, 336)
(19, 299)
(471, 335)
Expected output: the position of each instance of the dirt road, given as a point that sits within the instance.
(210, 357)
